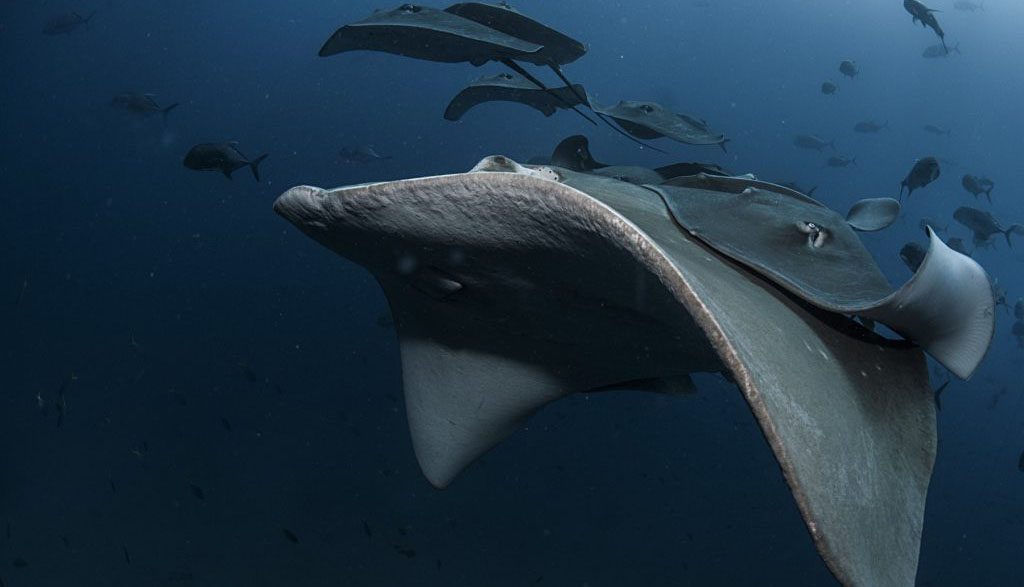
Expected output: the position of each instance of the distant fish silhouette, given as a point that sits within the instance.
(66, 23)
(360, 154)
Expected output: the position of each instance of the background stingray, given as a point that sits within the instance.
(574, 153)
(848, 415)
(648, 120)
(508, 87)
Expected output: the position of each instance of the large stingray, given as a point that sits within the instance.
(649, 120)
(512, 287)
(508, 87)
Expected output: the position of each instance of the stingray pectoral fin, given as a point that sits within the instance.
(873, 214)
(947, 308)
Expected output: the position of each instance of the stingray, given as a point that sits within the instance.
(514, 286)
(427, 33)
(508, 87)
(574, 153)
(649, 120)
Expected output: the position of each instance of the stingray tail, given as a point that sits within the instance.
(255, 165)
(533, 80)
(165, 111)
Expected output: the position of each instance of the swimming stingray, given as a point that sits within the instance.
(650, 120)
(926, 16)
(427, 33)
(983, 225)
(508, 87)
(573, 153)
(512, 287)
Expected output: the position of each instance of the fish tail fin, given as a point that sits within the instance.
(165, 111)
(1014, 229)
(255, 165)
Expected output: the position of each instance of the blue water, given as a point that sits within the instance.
(202, 341)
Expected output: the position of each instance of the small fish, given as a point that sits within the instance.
(197, 492)
(976, 186)
(984, 225)
(113, 486)
(290, 536)
(936, 130)
(968, 6)
(912, 255)
(223, 157)
(404, 551)
(924, 15)
(869, 126)
(829, 88)
(127, 557)
(1018, 313)
(957, 244)
(66, 23)
(367, 530)
(249, 374)
(849, 68)
(840, 161)
(66, 541)
(360, 154)
(1018, 332)
(937, 51)
(226, 424)
(141, 104)
(924, 171)
(812, 142)
(20, 563)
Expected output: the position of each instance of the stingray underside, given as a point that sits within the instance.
(511, 290)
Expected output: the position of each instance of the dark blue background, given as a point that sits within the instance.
(236, 315)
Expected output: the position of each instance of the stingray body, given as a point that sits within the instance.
(508, 87)
(983, 225)
(557, 48)
(924, 171)
(649, 120)
(427, 33)
(573, 153)
(926, 16)
(514, 286)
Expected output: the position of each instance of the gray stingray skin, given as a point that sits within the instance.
(558, 48)
(649, 120)
(511, 290)
(430, 34)
(508, 87)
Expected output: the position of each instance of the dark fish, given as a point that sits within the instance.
(937, 51)
(141, 104)
(968, 6)
(66, 541)
(978, 185)
(812, 142)
(113, 486)
(912, 255)
(66, 23)
(249, 374)
(849, 68)
(290, 536)
(926, 16)
(197, 492)
(404, 551)
(367, 530)
(841, 161)
(226, 424)
(127, 557)
(869, 126)
(1018, 331)
(223, 157)
(984, 225)
(829, 88)
(923, 172)
(936, 130)
(1018, 309)
(938, 395)
(360, 154)
(20, 563)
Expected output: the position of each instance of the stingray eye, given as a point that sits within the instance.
(646, 109)
(506, 76)
(410, 8)
(816, 234)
